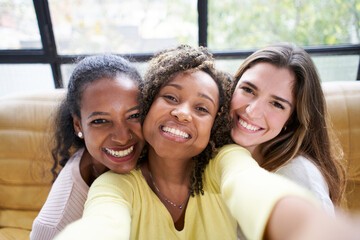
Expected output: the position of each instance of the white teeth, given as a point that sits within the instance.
(175, 132)
(248, 126)
(122, 153)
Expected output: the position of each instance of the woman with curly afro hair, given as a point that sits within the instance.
(178, 191)
(184, 59)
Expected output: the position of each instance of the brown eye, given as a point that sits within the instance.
(202, 109)
(134, 116)
(278, 105)
(170, 98)
(99, 121)
(248, 90)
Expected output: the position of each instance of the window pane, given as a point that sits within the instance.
(229, 65)
(25, 78)
(330, 68)
(18, 25)
(66, 70)
(128, 26)
(251, 24)
(337, 68)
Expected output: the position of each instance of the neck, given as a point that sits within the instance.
(169, 179)
(90, 169)
(255, 153)
(170, 170)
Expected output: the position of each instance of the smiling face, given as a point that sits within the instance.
(110, 122)
(261, 104)
(180, 119)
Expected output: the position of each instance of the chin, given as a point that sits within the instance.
(125, 169)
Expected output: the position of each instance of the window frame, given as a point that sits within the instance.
(49, 55)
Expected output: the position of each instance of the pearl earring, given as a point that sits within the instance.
(80, 134)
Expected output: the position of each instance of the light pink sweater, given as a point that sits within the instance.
(65, 202)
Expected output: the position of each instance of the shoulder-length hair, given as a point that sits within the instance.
(308, 130)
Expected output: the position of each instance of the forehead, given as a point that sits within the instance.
(197, 81)
(270, 80)
(119, 88)
(268, 74)
(121, 82)
(196, 78)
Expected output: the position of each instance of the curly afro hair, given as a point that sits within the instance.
(162, 69)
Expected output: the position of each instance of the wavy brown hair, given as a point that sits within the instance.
(308, 131)
(162, 69)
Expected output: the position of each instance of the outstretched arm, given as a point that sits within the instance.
(268, 206)
(107, 214)
(296, 219)
(250, 192)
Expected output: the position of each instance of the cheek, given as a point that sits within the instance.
(147, 127)
(205, 131)
(277, 121)
(136, 128)
(237, 101)
(156, 112)
(92, 137)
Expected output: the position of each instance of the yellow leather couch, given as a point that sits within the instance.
(343, 103)
(25, 159)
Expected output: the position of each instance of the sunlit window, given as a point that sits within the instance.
(140, 28)
(251, 24)
(330, 68)
(337, 68)
(128, 26)
(18, 25)
(25, 78)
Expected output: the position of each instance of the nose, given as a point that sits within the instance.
(121, 134)
(255, 109)
(182, 113)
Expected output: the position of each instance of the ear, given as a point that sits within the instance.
(77, 124)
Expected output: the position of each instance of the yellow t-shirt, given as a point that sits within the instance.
(122, 206)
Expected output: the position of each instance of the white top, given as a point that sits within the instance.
(304, 172)
(65, 202)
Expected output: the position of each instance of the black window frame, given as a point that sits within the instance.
(49, 55)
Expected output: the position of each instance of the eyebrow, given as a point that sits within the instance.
(282, 100)
(104, 113)
(206, 97)
(137, 107)
(251, 85)
(96, 114)
(199, 94)
(174, 85)
(273, 96)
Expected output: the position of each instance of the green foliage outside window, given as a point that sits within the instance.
(249, 24)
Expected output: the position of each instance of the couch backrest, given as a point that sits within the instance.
(343, 102)
(25, 159)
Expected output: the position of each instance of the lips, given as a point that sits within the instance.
(248, 126)
(175, 132)
(120, 153)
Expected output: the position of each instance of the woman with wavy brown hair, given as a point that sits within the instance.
(280, 116)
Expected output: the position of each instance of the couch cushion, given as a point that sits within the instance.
(25, 159)
(343, 101)
(14, 233)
